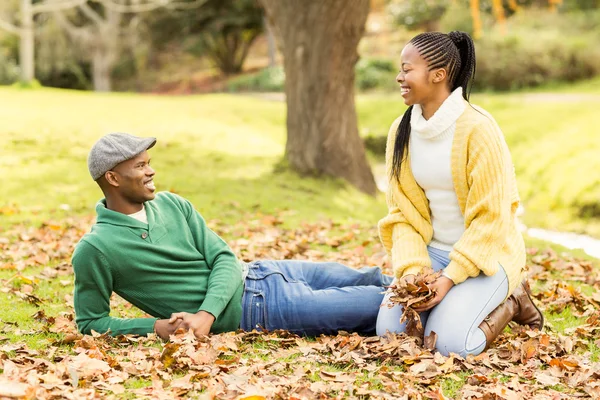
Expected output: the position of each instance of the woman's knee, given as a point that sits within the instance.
(388, 319)
(461, 340)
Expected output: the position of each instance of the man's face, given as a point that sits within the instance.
(135, 178)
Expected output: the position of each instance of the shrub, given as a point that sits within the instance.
(527, 58)
(9, 70)
(458, 18)
(375, 73)
(370, 74)
(34, 84)
(266, 80)
(417, 14)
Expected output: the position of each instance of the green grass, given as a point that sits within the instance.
(220, 151)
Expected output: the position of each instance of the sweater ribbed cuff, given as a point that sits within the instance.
(212, 306)
(456, 272)
(414, 270)
(147, 325)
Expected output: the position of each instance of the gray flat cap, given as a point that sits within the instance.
(113, 149)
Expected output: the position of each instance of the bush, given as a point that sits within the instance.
(458, 18)
(34, 84)
(9, 70)
(375, 73)
(370, 74)
(266, 80)
(540, 47)
(417, 14)
(530, 58)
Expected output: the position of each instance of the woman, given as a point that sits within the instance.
(452, 200)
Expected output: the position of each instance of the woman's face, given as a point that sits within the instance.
(416, 81)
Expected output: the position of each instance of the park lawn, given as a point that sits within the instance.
(230, 147)
(219, 151)
(222, 153)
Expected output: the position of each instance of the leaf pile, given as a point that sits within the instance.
(561, 362)
(409, 294)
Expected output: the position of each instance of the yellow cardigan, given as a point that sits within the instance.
(485, 184)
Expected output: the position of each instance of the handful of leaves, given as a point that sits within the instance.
(409, 294)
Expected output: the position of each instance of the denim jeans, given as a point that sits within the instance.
(310, 298)
(457, 317)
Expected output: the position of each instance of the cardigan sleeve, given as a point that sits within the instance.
(403, 243)
(488, 204)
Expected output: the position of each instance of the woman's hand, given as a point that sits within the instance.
(441, 286)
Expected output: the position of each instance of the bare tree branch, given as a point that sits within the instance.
(180, 5)
(91, 14)
(77, 33)
(7, 26)
(149, 5)
(55, 5)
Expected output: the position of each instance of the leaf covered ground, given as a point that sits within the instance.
(42, 356)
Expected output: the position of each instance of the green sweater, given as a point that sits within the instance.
(174, 263)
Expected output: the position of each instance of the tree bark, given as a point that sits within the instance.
(101, 71)
(27, 44)
(270, 43)
(319, 42)
(106, 50)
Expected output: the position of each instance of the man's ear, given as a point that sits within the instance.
(439, 75)
(112, 178)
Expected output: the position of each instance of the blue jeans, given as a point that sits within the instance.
(310, 298)
(457, 317)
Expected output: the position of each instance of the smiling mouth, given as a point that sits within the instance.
(404, 90)
(150, 185)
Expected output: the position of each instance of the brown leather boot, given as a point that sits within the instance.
(528, 313)
(519, 308)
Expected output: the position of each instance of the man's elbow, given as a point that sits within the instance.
(86, 327)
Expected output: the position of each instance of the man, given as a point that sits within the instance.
(155, 251)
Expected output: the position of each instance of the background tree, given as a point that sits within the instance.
(25, 28)
(223, 31)
(319, 40)
(103, 26)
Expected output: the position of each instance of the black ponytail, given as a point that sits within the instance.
(454, 51)
(466, 72)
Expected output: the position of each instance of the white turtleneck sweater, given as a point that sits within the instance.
(430, 150)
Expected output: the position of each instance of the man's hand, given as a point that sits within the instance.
(164, 328)
(441, 286)
(200, 323)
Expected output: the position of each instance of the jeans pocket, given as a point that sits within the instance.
(263, 269)
(258, 312)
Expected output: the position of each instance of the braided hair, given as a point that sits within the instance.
(454, 51)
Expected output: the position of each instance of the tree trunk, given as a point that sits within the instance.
(27, 43)
(106, 51)
(101, 70)
(271, 44)
(319, 42)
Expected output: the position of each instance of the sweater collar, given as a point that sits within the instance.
(107, 216)
(441, 120)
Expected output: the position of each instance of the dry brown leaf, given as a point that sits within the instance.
(521, 363)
